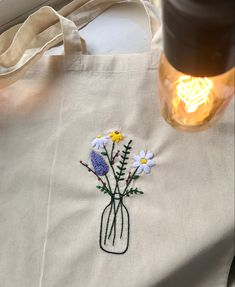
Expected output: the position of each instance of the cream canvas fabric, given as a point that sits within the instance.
(52, 107)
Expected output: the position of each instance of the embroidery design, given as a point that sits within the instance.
(110, 166)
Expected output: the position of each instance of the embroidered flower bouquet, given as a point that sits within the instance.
(110, 166)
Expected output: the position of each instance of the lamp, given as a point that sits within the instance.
(196, 70)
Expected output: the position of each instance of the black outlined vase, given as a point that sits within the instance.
(115, 227)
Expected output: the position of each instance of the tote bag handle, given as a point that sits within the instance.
(46, 17)
(72, 10)
(34, 25)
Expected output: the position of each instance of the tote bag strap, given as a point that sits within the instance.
(45, 19)
(33, 26)
(71, 11)
(7, 36)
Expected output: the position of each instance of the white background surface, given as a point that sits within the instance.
(121, 29)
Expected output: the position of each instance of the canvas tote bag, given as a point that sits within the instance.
(96, 189)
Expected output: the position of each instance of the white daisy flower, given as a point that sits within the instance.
(99, 141)
(144, 162)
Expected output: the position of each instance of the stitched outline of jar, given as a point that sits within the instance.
(115, 218)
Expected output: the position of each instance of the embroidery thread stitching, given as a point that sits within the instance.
(115, 219)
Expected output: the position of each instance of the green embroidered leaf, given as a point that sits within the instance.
(132, 191)
(102, 188)
(127, 147)
(119, 167)
(124, 157)
(136, 177)
(120, 173)
(123, 162)
(104, 153)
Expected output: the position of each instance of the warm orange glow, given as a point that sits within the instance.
(192, 91)
(192, 103)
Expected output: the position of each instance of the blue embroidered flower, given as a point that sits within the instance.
(100, 166)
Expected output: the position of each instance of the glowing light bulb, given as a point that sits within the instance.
(193, 91)
(196, 70)
(193, 103)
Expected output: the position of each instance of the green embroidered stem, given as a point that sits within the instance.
(129, 182)
(124, 194)
(128, 178)
(120, 183)
(99, 178)
(123, 161)
(122, 166)
(107, 224)
(107, 154)
(132, 191)
(114, 220)
(111, 165)
(107, 179)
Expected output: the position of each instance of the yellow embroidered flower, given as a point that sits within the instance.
(116, 136)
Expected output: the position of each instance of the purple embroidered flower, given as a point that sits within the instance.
(100, 166)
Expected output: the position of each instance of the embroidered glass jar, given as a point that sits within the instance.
(114, 228)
